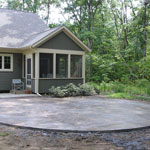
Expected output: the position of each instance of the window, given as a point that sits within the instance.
(61, 66)
(46, 65)
(6, 62)
(76, 66)
(29, 66)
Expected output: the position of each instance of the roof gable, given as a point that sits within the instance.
(61, 41)
(60, 29)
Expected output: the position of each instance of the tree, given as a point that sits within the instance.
(83, 13)
(46, 4)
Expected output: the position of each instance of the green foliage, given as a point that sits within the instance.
(5, 134)
(121, 95)
(72, 90)
(57, 92)
(144, 67)
(120, 41)
(86, 90)
(130, 90)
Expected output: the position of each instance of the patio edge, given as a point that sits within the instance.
(75, 131)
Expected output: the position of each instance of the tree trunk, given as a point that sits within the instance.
(145, 33)
(48, 11)
(23, 5)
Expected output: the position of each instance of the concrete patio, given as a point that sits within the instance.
(11, 95)
(79, 113)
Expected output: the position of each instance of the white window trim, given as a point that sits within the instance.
(68, 67)
(83, 70)
(11, 63)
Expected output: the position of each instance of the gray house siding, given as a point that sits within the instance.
(62, 42)
(45, 84)
(6, 77)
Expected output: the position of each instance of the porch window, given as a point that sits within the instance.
(6, 62)
(29, 81)
(46, 65)
(0, 62)
(33, 65)
(61, 66)
(76, 66)
(24, 57)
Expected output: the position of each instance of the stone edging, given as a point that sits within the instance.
(74, 131)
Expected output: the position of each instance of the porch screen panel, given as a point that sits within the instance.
(0, 62)
(34, 65)
(24, 65)
(29, 71)
(76, 66)
(46, 65)
(61, 66)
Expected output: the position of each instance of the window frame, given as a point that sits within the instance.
(69, 54)
(81, 66)
(48, 64)
(66, 68)
(3, 62)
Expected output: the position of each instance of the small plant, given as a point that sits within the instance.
(57, 92)
(86, 90)
(118, 87)
(72, 90)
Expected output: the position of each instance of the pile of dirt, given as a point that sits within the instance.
(24, 139)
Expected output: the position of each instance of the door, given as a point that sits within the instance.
(28, 72)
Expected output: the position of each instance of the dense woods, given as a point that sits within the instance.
(117, 31)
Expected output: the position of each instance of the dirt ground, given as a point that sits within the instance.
(22, 139)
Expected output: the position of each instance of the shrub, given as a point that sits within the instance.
(57, 92)
(142, 83)
(95, 86)
(72, 90)
(118, 87)
(86, 90)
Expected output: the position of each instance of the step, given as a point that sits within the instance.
(18, 92)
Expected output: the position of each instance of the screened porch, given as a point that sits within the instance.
(60, 66)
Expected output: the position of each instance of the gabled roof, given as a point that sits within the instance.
(22, 30)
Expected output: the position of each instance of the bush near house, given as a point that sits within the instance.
(72, 90)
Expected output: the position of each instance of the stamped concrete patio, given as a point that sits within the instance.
(79, 113)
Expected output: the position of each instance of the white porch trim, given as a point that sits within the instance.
(57, 51)
(37, 72)
(54, 65)
(69, 61)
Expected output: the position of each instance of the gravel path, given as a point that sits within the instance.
(23, 139)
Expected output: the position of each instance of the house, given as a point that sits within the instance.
(40, 56)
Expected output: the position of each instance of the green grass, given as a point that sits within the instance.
(4, 134)
(120, 95)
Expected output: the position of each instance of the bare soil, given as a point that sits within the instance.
(24, 139)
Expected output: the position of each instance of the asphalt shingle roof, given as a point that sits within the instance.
(20, 29)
